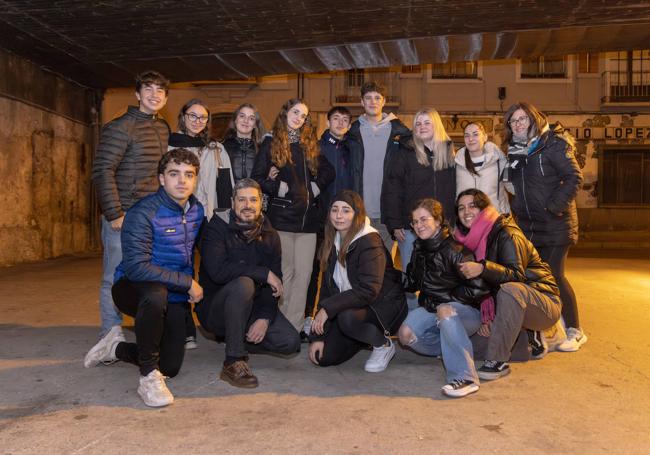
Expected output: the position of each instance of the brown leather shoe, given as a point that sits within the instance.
(239, 374)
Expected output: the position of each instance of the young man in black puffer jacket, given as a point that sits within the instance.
(125, 171)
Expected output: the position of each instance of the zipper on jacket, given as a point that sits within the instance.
(304, 165)
(523, 189)
(187, 251)
(541, 169)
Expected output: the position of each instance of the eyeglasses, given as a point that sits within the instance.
(195, 118)
(521, 120)
(423, 220)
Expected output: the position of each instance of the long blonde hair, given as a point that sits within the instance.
(443, 147)
(280, 150)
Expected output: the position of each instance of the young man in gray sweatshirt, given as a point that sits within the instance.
(379, 134)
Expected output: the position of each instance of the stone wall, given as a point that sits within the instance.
(45, 161)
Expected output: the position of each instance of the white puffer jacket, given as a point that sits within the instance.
(489, 178)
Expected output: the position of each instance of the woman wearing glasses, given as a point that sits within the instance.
(480, 164)
(214, 187)
(292, 172)
(546, 177)
(449, 305)
(242, 139)
(424, 167)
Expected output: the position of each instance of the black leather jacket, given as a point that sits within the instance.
(433, 271)
(511, 257)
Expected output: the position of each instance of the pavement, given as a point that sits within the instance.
(596, 400)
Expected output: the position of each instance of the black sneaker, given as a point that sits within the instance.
(459, 388)
(493, 369)
(538, 346)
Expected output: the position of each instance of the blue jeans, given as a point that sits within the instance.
(447, 337)
(405, 250)
(112, 257)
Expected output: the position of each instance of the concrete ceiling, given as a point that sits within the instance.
(104, 43)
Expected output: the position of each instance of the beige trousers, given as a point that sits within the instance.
(297, 260)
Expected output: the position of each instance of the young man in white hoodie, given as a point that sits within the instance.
(379, 134)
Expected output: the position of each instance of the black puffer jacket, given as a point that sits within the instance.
(546, 184)
(126, 163)
(511, 257)
(225, 255)
(298, 210)
(374, 280)
(242, 156)
(407, 181)
(433, 271)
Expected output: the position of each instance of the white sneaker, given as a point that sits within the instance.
(154, 391)
(104, 350)
(190, 343)
(379, 358)
(306, 327)
(575, 338)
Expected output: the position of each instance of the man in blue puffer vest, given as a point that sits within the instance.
(154, 281)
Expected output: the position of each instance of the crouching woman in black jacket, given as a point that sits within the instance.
(524, 290)
(449, 304)
(361, 297)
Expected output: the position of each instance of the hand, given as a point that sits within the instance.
(319, 322)
(195, 292)
(257, 331)
(470, 269)
(399, 234)
(273, 172)
(116, 224)
(316, 351)
(484, 330)
(275, 283)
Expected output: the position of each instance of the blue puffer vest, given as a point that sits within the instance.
(158, 239)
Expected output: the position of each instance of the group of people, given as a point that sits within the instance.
(295, 236)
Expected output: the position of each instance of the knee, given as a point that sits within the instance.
(445, 312)
(346, 321)
(156, 298)
(406, 335)
(243, 286)
(511, 295)
(290, 344)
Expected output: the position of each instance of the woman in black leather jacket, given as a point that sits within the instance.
(524, 290)
(361, 297)
(448, 314)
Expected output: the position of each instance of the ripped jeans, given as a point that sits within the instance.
(447, 337)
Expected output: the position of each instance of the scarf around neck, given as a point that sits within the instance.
(248, 232)
(476, 241)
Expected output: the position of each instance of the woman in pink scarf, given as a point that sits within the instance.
(524, 292)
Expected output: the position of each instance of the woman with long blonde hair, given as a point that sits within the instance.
(422, 168)
(292, 173)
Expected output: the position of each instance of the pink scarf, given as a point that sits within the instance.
(476, 240)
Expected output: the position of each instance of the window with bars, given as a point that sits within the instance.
(588, 63)
(455, 70)
(625, 176)
(544, 67)
(355, 78)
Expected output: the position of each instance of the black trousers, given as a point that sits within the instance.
(555, 257)
(159, 327)
(227, 314)
(348, 333)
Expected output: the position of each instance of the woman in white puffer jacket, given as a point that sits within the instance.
(480, 165)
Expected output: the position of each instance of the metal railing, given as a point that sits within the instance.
(624, 87)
